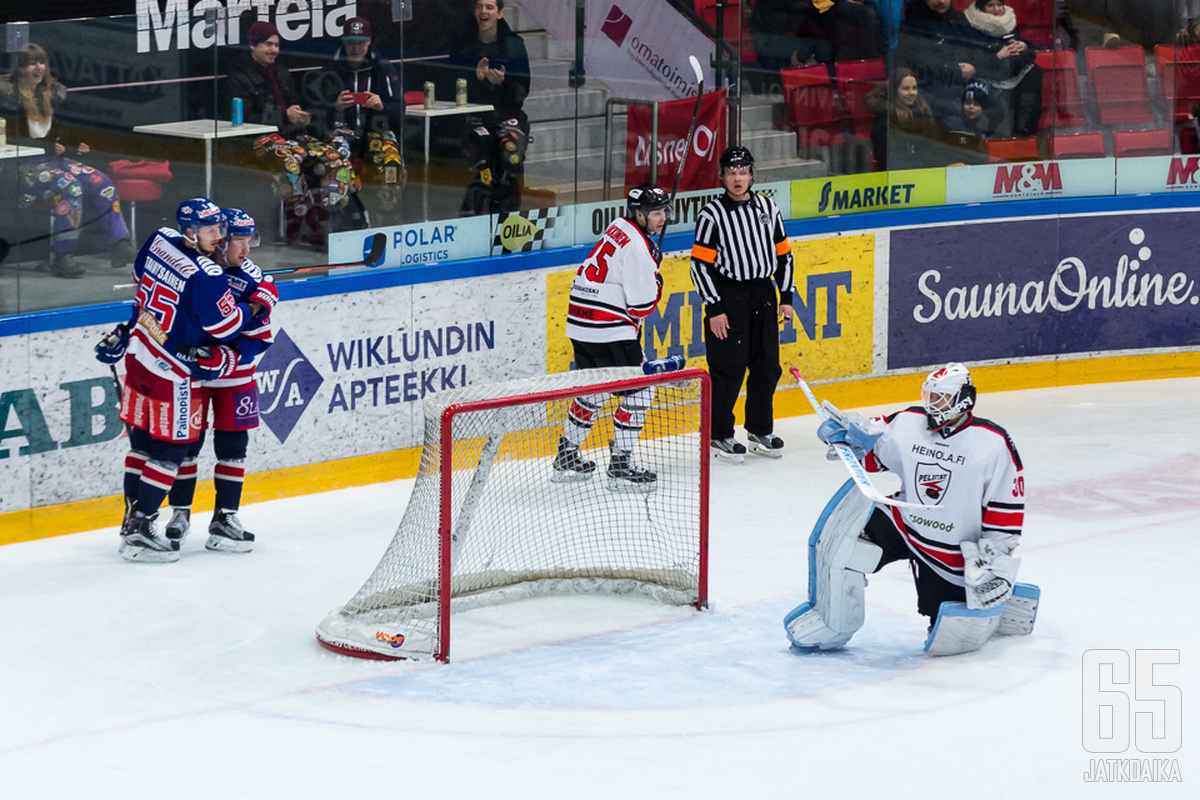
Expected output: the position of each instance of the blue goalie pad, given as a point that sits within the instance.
(838, 560)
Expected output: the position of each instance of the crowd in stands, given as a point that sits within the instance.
(961, 73)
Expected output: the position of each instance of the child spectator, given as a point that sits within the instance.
(974, 117)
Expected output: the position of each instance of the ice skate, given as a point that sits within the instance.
(569, 465)
(142, 541)
(729, 450)
(226, 534)
(179, 526)
(624, 475)
(768, 445)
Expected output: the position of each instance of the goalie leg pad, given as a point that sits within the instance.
(960, 629)
(1020, 611)
(838, 561)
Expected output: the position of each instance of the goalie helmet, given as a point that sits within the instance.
(947, 394)
(646, 197)
(238, 223)
(199, 212)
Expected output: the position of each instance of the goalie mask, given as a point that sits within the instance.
(646, 198)
(947, 394)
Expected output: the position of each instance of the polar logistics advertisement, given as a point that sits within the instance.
(878, 191)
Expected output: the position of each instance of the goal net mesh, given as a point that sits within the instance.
(485, 500)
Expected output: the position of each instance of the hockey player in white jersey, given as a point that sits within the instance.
(616, 287)
(965, 477)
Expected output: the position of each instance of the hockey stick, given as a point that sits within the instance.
(687, 145)
(378, 245)
(857, 472)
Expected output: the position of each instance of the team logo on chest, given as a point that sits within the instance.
(932, 481)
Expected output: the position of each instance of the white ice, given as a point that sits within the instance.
(203, 679)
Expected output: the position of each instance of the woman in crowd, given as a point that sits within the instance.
(904, 131)
(78, 194)
(1008, 65)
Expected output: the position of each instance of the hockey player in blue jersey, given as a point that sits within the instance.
(186, 317)
(233, 399)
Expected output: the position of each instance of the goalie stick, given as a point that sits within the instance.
(378, 245)
(857, 472)
(687, 144)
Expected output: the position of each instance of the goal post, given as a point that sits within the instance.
(490, 521)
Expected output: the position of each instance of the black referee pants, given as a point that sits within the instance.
(751, 345)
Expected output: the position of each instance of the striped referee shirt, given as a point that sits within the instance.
(741, 241)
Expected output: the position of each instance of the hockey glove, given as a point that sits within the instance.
(988, 572)
(266, 295)
(210, 363)
(111, 348)
(849, 429)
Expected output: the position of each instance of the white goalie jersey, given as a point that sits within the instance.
(616, 286)
(972, 481)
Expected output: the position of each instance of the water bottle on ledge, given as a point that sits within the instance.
(668, 364)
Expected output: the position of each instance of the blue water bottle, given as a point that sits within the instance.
(237, 111)
(668, 364)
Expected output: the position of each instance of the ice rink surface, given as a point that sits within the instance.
(202, 679)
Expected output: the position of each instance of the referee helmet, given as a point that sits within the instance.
(737, 157)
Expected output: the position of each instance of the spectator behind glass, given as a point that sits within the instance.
(904, 129)
(495, 64)
(975, 117)
(940, 47)
(1008, 65)
(78, 194)
(795, 32)
(269, 95)
(369, 95)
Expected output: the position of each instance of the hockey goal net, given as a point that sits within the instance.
(486, 524)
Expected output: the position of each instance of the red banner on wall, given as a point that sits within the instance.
(674, 117)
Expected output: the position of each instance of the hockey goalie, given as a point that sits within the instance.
(957, 520)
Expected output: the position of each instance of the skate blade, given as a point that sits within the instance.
(223, 544)
(562, 476)
(620, 485)
(147, 555)
(763, 450)
(728, 458)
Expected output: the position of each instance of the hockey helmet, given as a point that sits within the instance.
(947, 393)
(646, 197)
(199, 212)
(239, 223)
(737, 156)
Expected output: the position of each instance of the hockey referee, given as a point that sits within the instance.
(740, 256)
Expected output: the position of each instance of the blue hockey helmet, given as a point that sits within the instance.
(199, 212)
(239, 223)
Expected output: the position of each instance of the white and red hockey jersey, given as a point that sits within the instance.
(615, 288)
(972, 480)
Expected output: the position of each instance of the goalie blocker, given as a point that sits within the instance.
(485, 522)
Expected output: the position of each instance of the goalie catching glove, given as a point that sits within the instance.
(266, 295)
(111, 348)
(210, 363)
(850, 429)
(989, 573)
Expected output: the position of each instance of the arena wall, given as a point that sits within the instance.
(1055, 292)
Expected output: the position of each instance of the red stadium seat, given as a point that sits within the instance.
(1062, 105)
(1021, 148)
(1132, 144)
(854, 80)
(1035, 20)
(735, 25)
(1119, 86)
(1178, 71)
(810, 106)
(1076, 145)
(138, 181)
